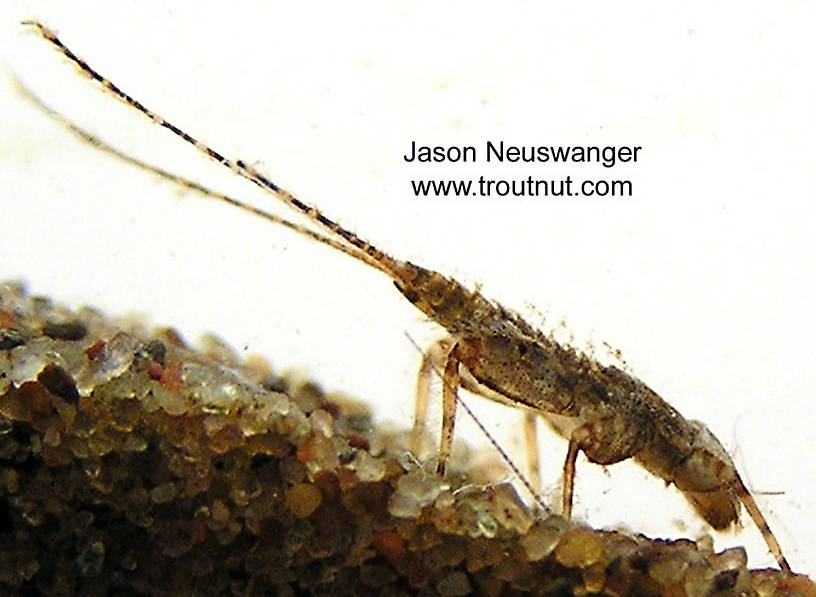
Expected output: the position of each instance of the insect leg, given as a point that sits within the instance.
(531, 448)
(471, 385)
(450, 391)
(432, 361)
(569, 478)
(603, 441)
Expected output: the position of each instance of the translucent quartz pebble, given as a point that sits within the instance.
(218, 350)
(669, 570)
(217, 390)
(446, 499)
(486, 525)
(209, 387)
(543, 537)
(42, 307)
(273, 411)
(388, 439)
(368, 468)
(478, 511)
(322, 422)
(508, 509)
(303, 499)
(734, 557)
(25, 362)
(214, 423)
(414, 491)
(319, 453)
(94, 319)
(73, 354)
(475, 514)
(579, 548)
(172, 402)
(730, 572)
(295, 424)
(114, 358)
(271, 403)
(13, 298)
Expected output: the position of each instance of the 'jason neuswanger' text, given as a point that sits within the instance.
(608, 155)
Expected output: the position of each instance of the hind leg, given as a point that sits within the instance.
(604, 441)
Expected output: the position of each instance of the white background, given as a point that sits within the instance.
(704, 279)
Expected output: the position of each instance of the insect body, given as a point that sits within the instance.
(603, 411)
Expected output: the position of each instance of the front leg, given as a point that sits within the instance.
(433, 361)
(450, 392)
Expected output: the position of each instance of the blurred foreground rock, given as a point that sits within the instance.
(132, 464)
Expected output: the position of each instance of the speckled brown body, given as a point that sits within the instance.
(624, 418)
